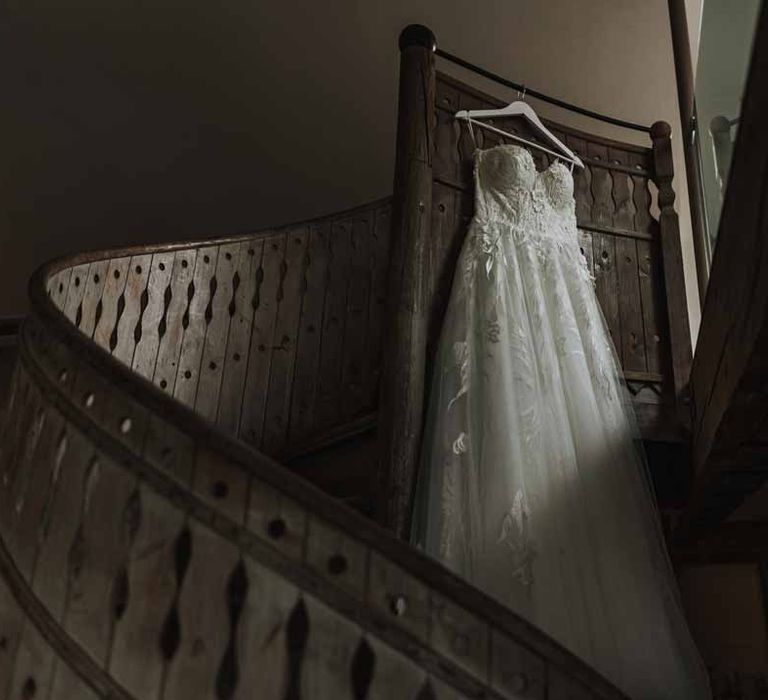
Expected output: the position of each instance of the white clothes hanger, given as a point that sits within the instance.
(519, 108)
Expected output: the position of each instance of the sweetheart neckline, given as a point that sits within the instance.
(514, 146)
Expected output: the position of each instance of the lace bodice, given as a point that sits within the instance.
(509, 189)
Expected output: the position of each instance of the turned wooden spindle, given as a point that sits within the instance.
(674, 282)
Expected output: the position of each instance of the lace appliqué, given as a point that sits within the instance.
(514, 534)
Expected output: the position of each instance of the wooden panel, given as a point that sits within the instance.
(263, 652)
(218, 318)
(134, 300)
(335, 555)
(145, 354)
(262, 338)
(94, 288)
(356, 318)
(97, 555)
(652, 296)
(607, 284)
(59, 287)
(310, 332)
(278, 519)
(238, 344)
(516, 671)
(460, 637)
(622, 196)
(136, 659)
(398, 595)
(329, 398)
(289, 298)
(195, 322)
(395, 675)
(630, 306)
(68, 685)
(77, 283)
(105, 330)
(34, 664)
(327, 660)
(61, 524)
(585, 246)
(32, 494)
(202, 618)
(171, 330)
(379, 270)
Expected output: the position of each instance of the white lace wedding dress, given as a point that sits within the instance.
(533, 485)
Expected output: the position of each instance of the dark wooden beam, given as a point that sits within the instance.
(729, 381)
(404, 352)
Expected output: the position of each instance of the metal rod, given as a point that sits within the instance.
(538, 95)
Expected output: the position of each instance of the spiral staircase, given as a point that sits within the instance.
(153, 546)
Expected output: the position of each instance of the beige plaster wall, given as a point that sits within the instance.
(135, 121)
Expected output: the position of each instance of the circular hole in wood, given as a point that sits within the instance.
(206, 259)
(250, 251)
(161, 266)
(61, 287)
(163, 384)
(117, 274)
(262, 348)
(96, 279)
(228, 256)
(604, 255)
(90, 399)
(138, 269)
(187, 374)
(274, 246)
(398, 605)
(337, 564)
(77, 281)
(184, 263)
(236, 357)
(276, 528)
(212, 365)
(219, 489)
(125, 426)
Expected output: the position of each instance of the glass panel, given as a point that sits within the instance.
(725, 46)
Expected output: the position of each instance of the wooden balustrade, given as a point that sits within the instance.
(149, 553)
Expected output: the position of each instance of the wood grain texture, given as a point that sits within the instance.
(728, 379)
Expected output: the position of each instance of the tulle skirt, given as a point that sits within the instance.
(534, 485)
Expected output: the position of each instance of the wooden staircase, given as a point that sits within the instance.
(151, 550)
(189, 425)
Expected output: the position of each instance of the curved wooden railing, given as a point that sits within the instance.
(148, 551)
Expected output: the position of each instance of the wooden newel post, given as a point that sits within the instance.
(402, 400)
(674, 282)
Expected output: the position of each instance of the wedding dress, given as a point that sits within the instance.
(534, 485)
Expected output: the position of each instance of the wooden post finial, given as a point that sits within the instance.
(417, 35)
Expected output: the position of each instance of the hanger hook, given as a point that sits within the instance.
(521, 96)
